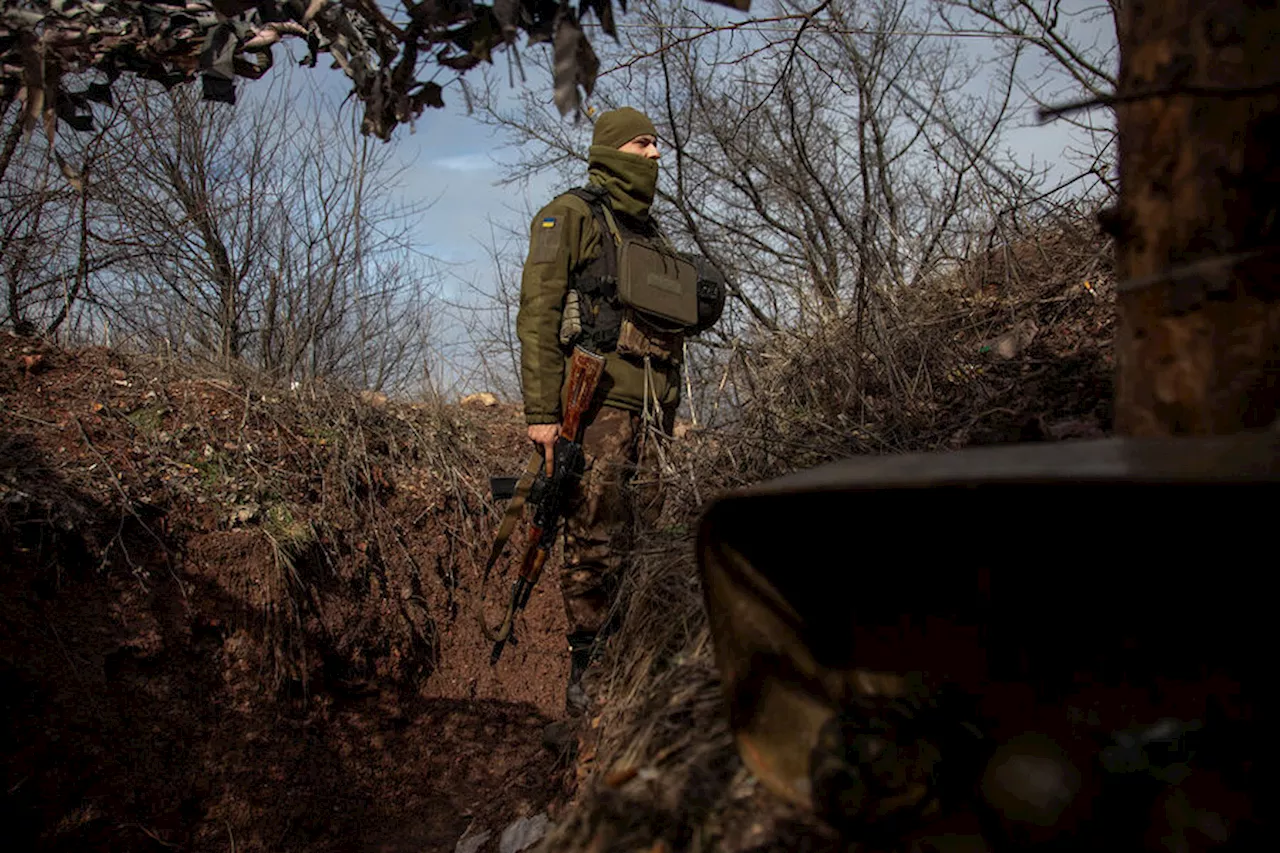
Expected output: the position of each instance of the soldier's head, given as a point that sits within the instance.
(628, 130)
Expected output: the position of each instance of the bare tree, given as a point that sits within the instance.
(47, 204)
(348, 294)
(484, 314)
(193, 203)
(266, 236)
(1062, 52)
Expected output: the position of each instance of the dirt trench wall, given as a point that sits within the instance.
(224, 625)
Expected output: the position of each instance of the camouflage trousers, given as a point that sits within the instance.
(603, 512)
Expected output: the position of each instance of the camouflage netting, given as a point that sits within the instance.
(220, 40)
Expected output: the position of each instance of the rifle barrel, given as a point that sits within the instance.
(585, 369)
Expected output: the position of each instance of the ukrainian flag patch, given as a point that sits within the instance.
(546, 240)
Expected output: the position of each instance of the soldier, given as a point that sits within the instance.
(599, 274)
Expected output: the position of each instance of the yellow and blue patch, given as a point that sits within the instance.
(546, 240)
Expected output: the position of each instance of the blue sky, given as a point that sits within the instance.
(451, 163)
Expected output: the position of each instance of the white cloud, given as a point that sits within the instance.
(465, 163)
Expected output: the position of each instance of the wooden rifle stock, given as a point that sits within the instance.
(585, 370)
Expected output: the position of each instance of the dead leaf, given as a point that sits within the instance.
(1014, 341)
(573, 64)
(484, 398)
(244, 513)
(620, 777)
(376, 399)
(313, 9)
(73, 177)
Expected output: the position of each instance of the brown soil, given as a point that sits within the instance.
(226, 626)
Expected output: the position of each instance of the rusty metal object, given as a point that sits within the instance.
(902, 638)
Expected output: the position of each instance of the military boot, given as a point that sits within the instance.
(581, 655)
(561, 736)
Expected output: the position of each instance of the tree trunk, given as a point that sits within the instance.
(82, 264)
(11, 140)
(270, 354)
(1198, 344)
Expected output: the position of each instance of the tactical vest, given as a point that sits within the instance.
(638, 297)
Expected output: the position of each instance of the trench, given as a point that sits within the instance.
(168, 687)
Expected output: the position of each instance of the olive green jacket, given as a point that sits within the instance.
(564, 239)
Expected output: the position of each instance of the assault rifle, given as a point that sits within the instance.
(546, 494)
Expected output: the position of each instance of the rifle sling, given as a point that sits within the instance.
(514, 508)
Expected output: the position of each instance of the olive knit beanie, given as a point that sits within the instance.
(616, 128)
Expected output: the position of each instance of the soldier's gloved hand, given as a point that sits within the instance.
(545, 435)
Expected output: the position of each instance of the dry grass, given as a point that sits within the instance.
(969, 359)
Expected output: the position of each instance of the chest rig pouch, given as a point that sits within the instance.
(637, 298)
(660, 286)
